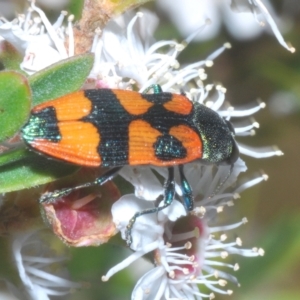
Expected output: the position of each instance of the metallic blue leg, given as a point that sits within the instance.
(168, 198)
(155, 87)
(54, 196)
(187, 193)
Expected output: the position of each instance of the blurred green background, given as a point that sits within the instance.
(258, 68)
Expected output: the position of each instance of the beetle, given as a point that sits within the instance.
(113, 128)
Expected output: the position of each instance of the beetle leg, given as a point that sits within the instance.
(155, 87)
(51, 197)
(187, 193)
(168, 198)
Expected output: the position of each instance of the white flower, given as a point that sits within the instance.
(134, 60)
(41, 42)
(35, 262)
(187, 250)
(190, 263)
(189, 15)
(153, 224)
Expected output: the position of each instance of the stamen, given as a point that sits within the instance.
(220, 98)
(274, 27)
(199, 211)
(27, 19)
(71, 36)
(42, 29)
(220, 264)
(217, 290)
(219, 245)
(223, 237)
(130, 259)
(239, 242)
(215, 198)
(247, 128)
(251, 183)
(58, 43)
(244, 112)
(261, 152)
(34, 28)
(60, 19)
(196, 32)
(152, 49)
(4, 20)
(184, 236)
(227, 227)
(220, 209)
(218, 52)
(130, 36)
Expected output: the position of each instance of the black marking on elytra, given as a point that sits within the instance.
(42, 125)
(168, 147)
(163, 120)
(214, 133)
(112, 122)
(159, 98)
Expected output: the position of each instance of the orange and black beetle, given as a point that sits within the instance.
(114, 128)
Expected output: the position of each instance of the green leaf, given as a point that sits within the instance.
(30, 171)
(9, 56)
(271, 293)
(15, 103)
(75, 8)
(59, 79)
(21, 168)
(13, 155)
